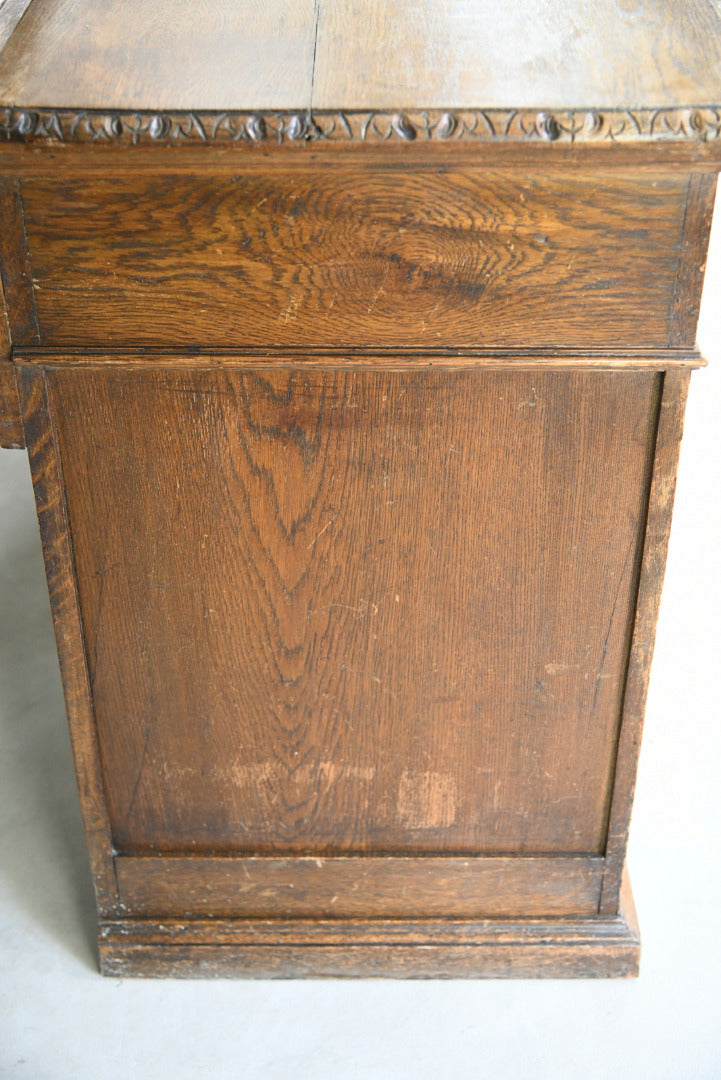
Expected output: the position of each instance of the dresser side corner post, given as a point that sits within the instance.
(658, 524)
(46, 472)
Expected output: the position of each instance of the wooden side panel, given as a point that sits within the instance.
(11, 425)
(694, 249)
(15, 271)
(57, 550)
(5, 339)
(382, 257)
(663, 487)
(338, 611)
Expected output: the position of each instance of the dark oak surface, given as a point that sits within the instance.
(375, 55)
(11, 428)
(289, 531)
(352, 378)
(407, 948)
(343, 887)
(474, 257)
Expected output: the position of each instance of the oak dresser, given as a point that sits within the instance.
(349, 343)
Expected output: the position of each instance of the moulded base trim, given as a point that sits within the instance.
(588, 947)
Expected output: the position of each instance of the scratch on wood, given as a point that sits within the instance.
(326, 526)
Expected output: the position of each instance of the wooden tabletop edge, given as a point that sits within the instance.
(587, 125)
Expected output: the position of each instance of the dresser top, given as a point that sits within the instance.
(359, 54)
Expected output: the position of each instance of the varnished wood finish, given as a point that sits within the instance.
(474, 257)
(328, 55)
(455, 948)
(57, 550)
(696, 129)
(189, 52)
(5, 339)
(522, 52)
(663, 487)
(11, 427)
(343, 887)
(292, 519)
(11, 12)
(394, 360)
(689, 282)
(15, 271)
(353, 385)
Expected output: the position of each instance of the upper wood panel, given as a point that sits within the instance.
(347, 258)
(266, 54)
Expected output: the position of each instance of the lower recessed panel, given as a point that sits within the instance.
(337, 612)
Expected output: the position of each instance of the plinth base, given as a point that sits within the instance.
(590, 947)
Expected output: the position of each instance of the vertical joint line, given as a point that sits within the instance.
(31, 279)
(316, 14)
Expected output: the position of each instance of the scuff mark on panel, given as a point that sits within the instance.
(427, 800)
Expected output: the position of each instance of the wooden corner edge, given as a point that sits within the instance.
(12, 435)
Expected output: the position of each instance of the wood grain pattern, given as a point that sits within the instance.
(338, 259)
(11, 12)
(11, 425)
(537, 53)
(450, 948)
(393, 887)
(353, 380)
(189, 51)
(689, 283)
(15, 271)
(400, 359)
(82, 159)
(658, 527)
(291, 531)
(59, 569)
(6, 345)
(301, 55)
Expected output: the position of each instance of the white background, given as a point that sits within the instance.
(59, 1019)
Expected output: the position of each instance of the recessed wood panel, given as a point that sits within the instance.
(333, 611)
(349, 258)
(393, 887)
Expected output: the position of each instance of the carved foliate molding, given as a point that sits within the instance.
(481, 125)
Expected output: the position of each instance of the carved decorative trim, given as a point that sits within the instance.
(699, 124)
